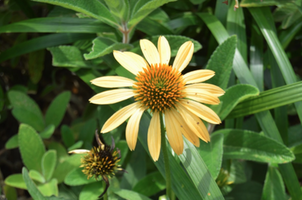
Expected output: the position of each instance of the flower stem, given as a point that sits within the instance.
(166, 159)
(105, 196)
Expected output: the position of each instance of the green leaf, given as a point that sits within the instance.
(49, 162)
(92, 8)
(50, 188)
(175, 41)
(123, 147)
(37, 176)
(76, 145)
(12, 142)
(67, 136)
(128, 194)
(247, 191)
(35, 65)
(42, 43)
(295, 135)
(248, 145)
(77, 177)
(31, 147)
(150, 184)
(26, 110)
(91, 191)
(145, 10)
(102, 46)
(233, 96)
(48, 131)
(269, 99)
(211, 153)
(273, 185)
(152, 27)
(68, 56)
(60, 149)
(261, 3)
(31, 187)
(57, 109)
(119, 8)
(219, 32)
(221, 62)
(15, 180)
(237, 172)
(199, 173)
(66, 166)
(287, 14)
(57, 25)
(10, 192)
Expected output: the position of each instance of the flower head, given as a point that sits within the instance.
(163, 90)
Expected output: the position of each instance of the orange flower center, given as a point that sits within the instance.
(159, 87)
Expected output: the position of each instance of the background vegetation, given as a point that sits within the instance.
(51, 49)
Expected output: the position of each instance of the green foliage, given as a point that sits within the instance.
(253, 50)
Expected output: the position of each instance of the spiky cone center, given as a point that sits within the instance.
(159, 87)
(100, 161)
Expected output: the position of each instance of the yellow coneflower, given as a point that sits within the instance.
(161, 88)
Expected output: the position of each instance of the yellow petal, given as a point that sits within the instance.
(201, 111)
(201, 96)
(119, 117)
(197, 76)
(133, 127)
(139, 59)
(112, 96)
(210, 88)
(174, 133)
(112, 82)
(184, 56)
(128, 61)
(185, 130)
(150, 51)
(195, 124)
(154, 137)
(164, 50)
(79, 151)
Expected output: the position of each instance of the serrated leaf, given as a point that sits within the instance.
(233, 96)
(145, 10)
(50, 188)
(37, 176)
(26, 110)
(92, 8)
(12, 142)
(221, 62)
(102, 46)
(248, 145)
(211, 153)
(91, 191)
(68, 56)
(15, 180)
(49, 161)
(77, 177)
(31, 147)
(57, 109)
(150, 184)
(48, 131)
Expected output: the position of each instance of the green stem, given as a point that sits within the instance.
(105, 196)
(166, 159)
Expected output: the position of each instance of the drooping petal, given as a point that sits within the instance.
(79, 151)
(184, 56)
(164, 50)
(210, 88)
(154, 137)
(112, 96)
(197, 76)
(133, 127)
(195, 124)
(201, 96)
(174, 133)
(119, 117)
(201, 111)
(128, 61)
(150, 51)
(112, 82)
(185, 130)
